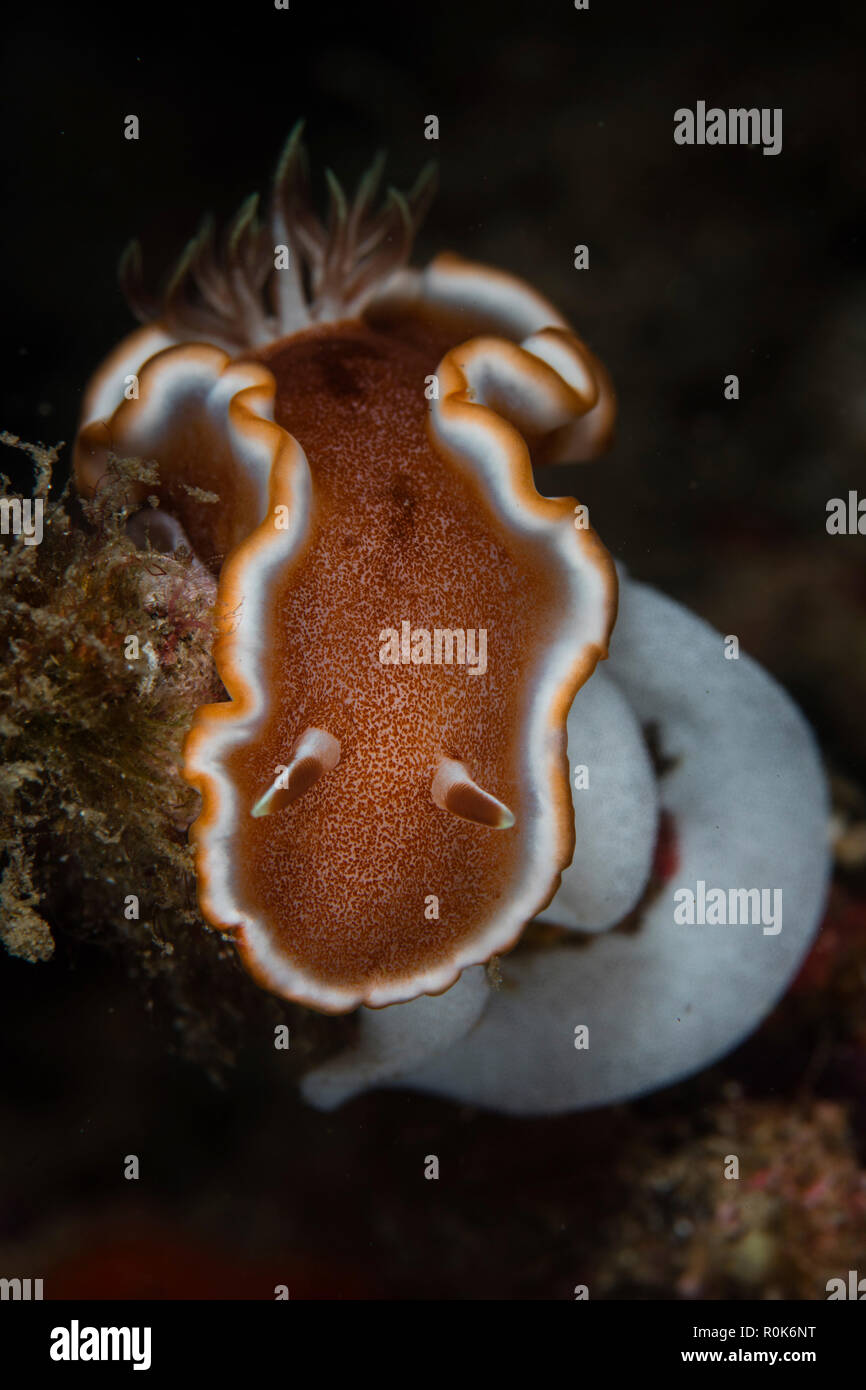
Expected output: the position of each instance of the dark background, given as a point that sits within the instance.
(556, 127)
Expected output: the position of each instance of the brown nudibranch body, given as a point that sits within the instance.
(385, 794)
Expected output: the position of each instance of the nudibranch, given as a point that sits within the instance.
(407, 638)
(348, 443)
